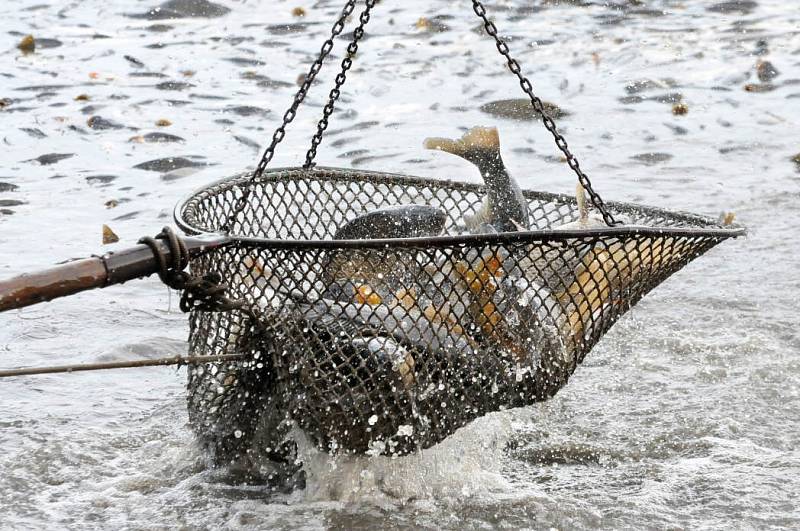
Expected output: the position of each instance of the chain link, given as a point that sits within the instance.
(347, 62)
(290, 114)
(538, 106)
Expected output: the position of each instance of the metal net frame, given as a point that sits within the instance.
(389, 346)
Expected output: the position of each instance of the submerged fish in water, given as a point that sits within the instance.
(504, 208)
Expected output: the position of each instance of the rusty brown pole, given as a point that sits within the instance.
(90, 273)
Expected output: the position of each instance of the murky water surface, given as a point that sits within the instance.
(686, 415)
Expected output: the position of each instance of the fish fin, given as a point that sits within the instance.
(520, 226)
(444, 144)
(485, 138)
(583, 208)
(482, 137)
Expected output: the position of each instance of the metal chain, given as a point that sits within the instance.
(290, 114)
(347, 62)
(538, 106)
(335, 92)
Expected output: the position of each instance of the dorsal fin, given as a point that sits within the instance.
(583, 208)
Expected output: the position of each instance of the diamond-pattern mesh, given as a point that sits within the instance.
(390, 346)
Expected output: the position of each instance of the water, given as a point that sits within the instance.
(686, 415)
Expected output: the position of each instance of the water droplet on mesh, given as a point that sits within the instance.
(372, 420)
(237, 434)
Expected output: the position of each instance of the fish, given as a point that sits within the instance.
(556, 265)
(489, 294)
(506, 310)
(375, 274)
(396, 221)
(504, 209)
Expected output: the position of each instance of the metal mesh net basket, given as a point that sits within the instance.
(391, 345)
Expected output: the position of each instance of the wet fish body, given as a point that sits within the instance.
(381, 270)
(398, 221)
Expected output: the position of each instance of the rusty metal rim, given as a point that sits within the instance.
(229, 183)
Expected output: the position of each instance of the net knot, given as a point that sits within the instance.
(203, 293)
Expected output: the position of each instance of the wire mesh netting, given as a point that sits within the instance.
(388, 346)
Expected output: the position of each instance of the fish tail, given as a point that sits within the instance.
(476, 139)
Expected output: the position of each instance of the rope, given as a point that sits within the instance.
(206, 293)
(161, 362)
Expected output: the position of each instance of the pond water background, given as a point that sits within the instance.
(687, 414)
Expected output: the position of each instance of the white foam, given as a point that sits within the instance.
(464, 465)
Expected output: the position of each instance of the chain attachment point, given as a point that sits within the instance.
(538, 106)
(206, 293)
(290, 114)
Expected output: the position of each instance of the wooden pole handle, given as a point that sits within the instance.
(89, 273)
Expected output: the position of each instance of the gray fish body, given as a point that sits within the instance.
(398, 221)
(382, 269)
(504, 207)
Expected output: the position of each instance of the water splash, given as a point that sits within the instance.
(465, 465)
